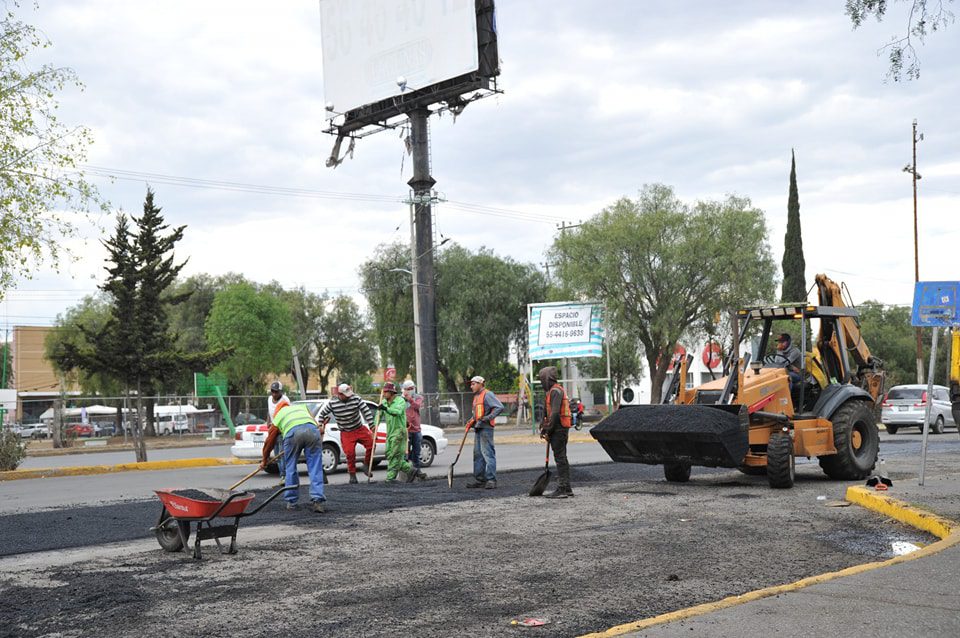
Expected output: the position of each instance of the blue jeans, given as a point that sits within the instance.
(415, 439)
(305, 438)
(484, 456)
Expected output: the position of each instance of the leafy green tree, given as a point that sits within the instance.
(663, 267)
(389, 295)
(72, 330)
(794, 266)
(256, 328)
(481, 311)
(890, 337)
(188, 319)
(39, 156)
(626, 365)
(344, 342)
(307, 309)
(922, 20)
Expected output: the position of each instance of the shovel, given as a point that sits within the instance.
(544, 479)
(251, 474)
(450, 471)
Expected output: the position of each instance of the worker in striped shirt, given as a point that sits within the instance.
(351, 415)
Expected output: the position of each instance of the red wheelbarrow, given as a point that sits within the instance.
(182, 508)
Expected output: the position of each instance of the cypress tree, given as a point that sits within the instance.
(794, 282)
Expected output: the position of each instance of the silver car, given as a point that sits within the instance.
(906, 405)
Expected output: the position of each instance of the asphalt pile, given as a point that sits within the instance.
(196, 495)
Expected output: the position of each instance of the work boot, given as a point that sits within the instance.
(318, 507)
(421, 475)
(491, 485)
(353, 478)
(392, 481)
(293, 506)
(411, 475)
(476, 484)
(557, 493)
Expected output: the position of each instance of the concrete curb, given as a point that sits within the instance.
(84, 470)
(946, 530)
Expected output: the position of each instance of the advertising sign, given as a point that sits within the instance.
(565, 329)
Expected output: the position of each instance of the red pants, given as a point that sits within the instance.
(349, 442)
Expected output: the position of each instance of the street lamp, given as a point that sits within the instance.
(912, 169)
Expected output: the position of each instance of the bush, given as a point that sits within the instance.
(12, 450)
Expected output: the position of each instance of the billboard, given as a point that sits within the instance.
(565, 329)
(368, 44)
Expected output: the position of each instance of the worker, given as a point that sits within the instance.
(791, 357)
(414, 403)
(486, 408)
(299, 433)
(352, 416)
(555, 428)
(396, 416)
(276, 396)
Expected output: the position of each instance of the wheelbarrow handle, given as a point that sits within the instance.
(223, 505)
(267, 502)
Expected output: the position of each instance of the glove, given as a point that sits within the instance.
(381, 407)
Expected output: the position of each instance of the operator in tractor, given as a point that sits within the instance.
(791, 357)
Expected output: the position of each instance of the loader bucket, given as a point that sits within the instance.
(702, 434)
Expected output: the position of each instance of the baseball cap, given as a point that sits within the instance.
(389, 387)
(409, 385)
(345, 389)
(477, 379)
(276, 386)
(784, 337)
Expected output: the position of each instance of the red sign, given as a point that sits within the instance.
(712, 355)
(390, 374)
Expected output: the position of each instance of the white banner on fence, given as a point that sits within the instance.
(565, 329)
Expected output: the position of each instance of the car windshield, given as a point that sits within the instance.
(905, 393)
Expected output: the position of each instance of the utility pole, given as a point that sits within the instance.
(425, 306)
(912, 169)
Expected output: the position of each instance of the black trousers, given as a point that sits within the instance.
(558, 443)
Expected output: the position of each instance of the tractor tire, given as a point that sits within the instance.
(892, 429)
(937, 427)
(857, 440)
(753, 470)
(781, 466)
(676, 471)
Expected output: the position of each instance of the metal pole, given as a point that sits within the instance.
(422, 183)
(606, 342)
(926, 415)
(296, 370)
(414, 287)
(916, 249)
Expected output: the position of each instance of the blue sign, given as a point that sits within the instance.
(935, 304)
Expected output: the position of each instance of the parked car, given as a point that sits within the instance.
(79, 429)
(33, 431)
(251, 437)
(450, 414)
(172, 424)
(906, 405)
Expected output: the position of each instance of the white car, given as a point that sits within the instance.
(906, 405)
(250, 439)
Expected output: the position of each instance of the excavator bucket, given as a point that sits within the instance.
(701, 434)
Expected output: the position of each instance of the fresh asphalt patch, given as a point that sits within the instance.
(425, 560)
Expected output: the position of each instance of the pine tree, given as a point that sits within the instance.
(794, 282)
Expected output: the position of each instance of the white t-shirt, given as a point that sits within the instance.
(272, 406)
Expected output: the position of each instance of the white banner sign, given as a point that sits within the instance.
(565, 330)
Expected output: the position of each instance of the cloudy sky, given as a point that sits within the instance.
(599, 99)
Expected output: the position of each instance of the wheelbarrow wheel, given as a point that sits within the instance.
(168, 535)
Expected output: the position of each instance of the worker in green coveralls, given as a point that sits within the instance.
(395, 408)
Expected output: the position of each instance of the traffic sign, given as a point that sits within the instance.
(712, 355)
(935, 304)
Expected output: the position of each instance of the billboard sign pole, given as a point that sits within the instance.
(934, 306)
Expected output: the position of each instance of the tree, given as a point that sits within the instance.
(256, 328)
(72, 330)
(39, 157)
(921, 21)
(344, 343)
(890, 337)
(307, 309)
(626, 366)
(662, 267)
(390, 298)
(794, 267)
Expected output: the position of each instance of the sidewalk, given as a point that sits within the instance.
(913, 595)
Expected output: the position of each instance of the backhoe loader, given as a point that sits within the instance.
(751, 419)
(955, 374)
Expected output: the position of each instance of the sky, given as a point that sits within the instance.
(219, 107)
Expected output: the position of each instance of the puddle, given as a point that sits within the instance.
(878, 544)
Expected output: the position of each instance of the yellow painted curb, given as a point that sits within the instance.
(84, 470)
(948, 531)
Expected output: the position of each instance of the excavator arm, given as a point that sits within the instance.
(869, 374)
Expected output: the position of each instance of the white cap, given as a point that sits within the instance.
(477, 379)
(409, 385)
(345, 389)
